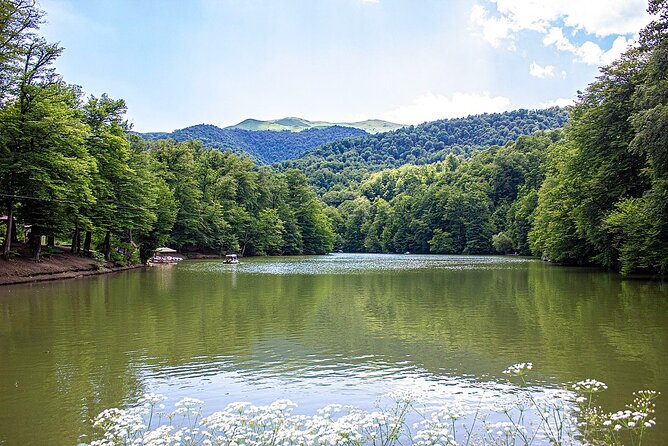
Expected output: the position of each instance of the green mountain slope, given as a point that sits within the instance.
(350, 160)
(263, 145)
(299, 124)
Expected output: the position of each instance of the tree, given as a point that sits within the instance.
(441, 243)
(125, 184)
(270, 225)
(18, 21)
(503, 244)
(314, 225)
(45, 159)
(177, 161)
(604, 199)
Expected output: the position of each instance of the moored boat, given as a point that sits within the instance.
(164, 256)
(232, 259)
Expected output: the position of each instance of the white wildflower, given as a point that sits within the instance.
(518, 369)
(589, 386)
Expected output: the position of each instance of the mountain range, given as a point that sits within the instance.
(324, 150)
(265, 146)
(298, 124)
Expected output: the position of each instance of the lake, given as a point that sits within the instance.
(342, 328)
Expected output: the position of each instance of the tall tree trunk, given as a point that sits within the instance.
(76, 240)
(130, 247)
(15, 234)
(7, 245)
(87, 241)
(107, 246)
(35, 245)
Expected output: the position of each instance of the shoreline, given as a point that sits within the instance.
(57, 267)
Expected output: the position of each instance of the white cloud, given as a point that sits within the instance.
(589, 52)
(541, 72)
(504, 19)
(430, 107)
(493, 29)
(559, 102)
(370, 1)
(555, 36)
(599, 17)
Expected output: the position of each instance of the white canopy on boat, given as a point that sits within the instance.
(165, 250)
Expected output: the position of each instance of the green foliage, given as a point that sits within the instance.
(41, 138)
(593, 193)
(604, 199)
(314, 225)
(225, 203)
(18, 20)
(264, 146)
(441, 242)
(503, 244)
(270, 225)
(453, 206)
(348, 161)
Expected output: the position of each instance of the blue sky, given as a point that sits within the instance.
(179, 63)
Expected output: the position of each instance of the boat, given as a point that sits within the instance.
(164, 256)
(232, 259)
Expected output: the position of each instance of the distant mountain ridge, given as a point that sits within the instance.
(332, 154)
(298, 124)
(265, 146)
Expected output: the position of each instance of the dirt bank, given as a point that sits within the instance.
(54, 267)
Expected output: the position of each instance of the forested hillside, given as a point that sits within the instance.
(605, 198)
(73, 174)
(219, 202)
(349, 160)
(265, 146)
(455, 206)
(594, 193)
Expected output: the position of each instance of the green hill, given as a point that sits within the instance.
(264, 146)
(350, 160)
(299, 124)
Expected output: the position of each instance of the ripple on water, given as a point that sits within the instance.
(355, 264)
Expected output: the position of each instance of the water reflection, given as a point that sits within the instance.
(342, 328)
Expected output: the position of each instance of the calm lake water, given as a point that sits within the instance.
(318, 330)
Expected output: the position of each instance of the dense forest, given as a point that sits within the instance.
(72, 172)
(587, 185)
(605, 196)
(595, 192)
(350, 160)
(455, 206)
(264, 146)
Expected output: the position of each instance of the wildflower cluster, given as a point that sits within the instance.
(247, 424)
(505, 432)
(439, 428)
(557, 417)
(589, 386)
(638, 416)
(599, 427)
(519, 369)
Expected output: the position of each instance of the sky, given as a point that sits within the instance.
(183, 62)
